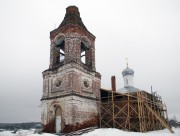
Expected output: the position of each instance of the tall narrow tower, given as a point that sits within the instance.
(71, 84)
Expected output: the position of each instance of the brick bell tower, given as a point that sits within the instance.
(71, 84)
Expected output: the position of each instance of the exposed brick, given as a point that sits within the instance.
(71, 84)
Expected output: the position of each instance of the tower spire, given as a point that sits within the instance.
(127, 62)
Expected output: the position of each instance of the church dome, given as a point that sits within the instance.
(128, 71)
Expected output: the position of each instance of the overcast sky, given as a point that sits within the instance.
(145, 31)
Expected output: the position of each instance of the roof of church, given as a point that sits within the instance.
(128, 89)
(128, 71)
(72, 17)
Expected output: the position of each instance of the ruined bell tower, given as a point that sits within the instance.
(71, 84)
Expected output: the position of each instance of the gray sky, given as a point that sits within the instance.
(145, 31)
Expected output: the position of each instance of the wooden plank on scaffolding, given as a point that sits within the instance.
(106, 110)
(159, 118)
(113, 117)
(139, 113)
(141, 123)
(152, 116)
(106, 123)
(128, 117)
(133, 109)
(121, 109)
(120, 126)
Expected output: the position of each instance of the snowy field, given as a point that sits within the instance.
(18, 133)
(99, 132)
(116, 132)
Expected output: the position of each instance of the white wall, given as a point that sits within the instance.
(128, 80)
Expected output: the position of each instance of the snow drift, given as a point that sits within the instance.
(98, 132)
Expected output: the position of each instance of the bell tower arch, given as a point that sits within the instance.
(71, 81)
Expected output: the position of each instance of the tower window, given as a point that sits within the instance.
(83, 57)
(84, 48)
(60, 54)
(126, 81)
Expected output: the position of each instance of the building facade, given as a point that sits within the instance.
(71, 84)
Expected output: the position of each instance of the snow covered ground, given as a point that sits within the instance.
(116, 132)
(98, 132)
(18, 133)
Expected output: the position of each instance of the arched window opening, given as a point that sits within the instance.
(83, 58)
(61, 53)
(84, 48)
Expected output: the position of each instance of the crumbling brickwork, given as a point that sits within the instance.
(75, 110)
(69, 83)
